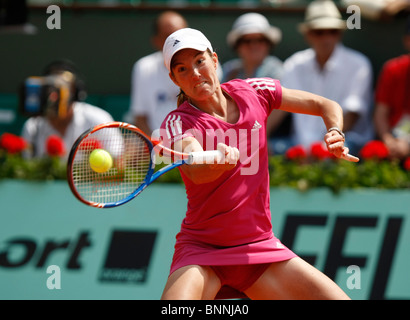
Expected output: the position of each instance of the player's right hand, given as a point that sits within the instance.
(230, 154)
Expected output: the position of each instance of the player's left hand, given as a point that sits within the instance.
(335, 145)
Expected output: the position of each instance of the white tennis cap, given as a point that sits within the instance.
(186, 38)
(322, 14)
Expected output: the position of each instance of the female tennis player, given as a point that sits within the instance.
(226, 247)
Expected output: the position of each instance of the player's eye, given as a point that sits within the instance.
(180, 69)
(200, 61)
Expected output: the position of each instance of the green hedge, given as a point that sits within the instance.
(297, 168)
(338, 174)
(333, 174)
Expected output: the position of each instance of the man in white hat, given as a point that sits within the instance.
(254, 40)
(330, 69)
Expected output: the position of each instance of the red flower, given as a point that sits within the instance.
(319, 151)
(406, 164)
(55, 146)
(12, 143)
(374, 149)
(296, 152)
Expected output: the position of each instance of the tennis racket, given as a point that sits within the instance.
(133, 164)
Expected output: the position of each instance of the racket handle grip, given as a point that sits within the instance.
(204, 157)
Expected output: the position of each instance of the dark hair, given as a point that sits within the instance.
(156, 25)
(60, 65)
(182, 97)
(407, 26)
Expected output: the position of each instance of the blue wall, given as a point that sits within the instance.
(125, 252)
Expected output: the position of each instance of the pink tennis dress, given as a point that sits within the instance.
(228, 221)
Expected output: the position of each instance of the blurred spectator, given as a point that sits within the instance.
(330, 69)
(153, 94)
(392, 111)
(254, 40)
(65, 118)
(379, 9)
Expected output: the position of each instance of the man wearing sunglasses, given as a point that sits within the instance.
(330, 69)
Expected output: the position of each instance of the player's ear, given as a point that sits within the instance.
(215, 59)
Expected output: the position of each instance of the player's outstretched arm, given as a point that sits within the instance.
(298, 101)
(204, 173)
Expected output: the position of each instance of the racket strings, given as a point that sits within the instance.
(131, 162)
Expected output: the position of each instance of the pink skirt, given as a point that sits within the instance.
(188, 252)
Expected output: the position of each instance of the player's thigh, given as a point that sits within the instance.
(192, 282)
(294, 279)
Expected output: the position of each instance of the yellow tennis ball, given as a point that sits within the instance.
(100, 160)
